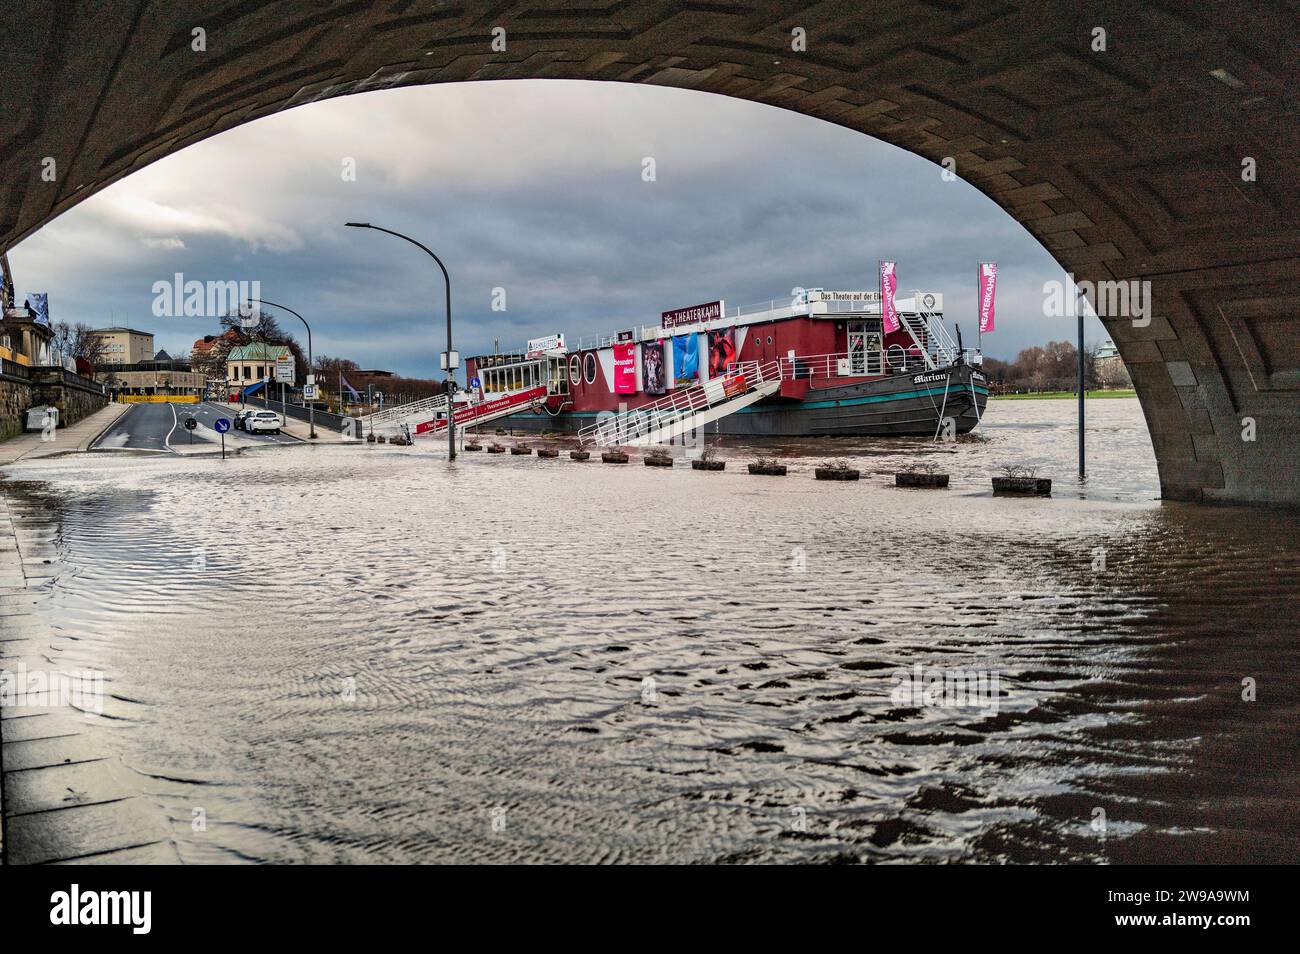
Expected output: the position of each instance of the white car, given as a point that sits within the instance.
(263, 422)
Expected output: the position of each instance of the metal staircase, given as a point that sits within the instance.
(391, 419)
(687, 409)
(928, 333)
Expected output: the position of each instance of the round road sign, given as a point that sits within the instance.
(222, 425)
(190, 423)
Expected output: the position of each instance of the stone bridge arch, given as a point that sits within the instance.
(1126, 162)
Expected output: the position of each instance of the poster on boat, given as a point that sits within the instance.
(686, 357)
(722, 351)
(988, 287)
(625, 368)
(888, 286)
(652, 367)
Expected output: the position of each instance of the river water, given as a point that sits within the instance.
(359, 654)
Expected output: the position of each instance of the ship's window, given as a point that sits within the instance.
(575, 369)
(769, 339)
(589, 367)
(757, 342)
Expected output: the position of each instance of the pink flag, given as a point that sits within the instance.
(888, 285)
(988, 285)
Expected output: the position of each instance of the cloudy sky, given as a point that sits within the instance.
(535, 187)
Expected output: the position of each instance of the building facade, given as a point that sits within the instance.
(249, 364)
(125, 345)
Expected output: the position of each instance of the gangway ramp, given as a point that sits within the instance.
(686, 409)
(429, 415)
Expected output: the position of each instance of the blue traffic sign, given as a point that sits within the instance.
(222, 425)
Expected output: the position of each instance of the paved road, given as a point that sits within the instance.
(154, 427)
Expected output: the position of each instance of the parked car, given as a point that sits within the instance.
(241, 419)
(262, 422)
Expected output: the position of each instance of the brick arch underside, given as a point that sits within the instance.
(1126, 164)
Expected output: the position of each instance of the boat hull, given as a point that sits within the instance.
(911, 404)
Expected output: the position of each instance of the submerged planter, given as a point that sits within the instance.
(768, 470)
(473, 447)
(496, 449)
(837, 473)
(614, 457)
(909, 479)
(1022, 487)
(547, 452)
(517, 450)
(708, 465)
(579, 455)
(659, 462)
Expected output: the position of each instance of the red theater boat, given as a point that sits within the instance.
(817, 363)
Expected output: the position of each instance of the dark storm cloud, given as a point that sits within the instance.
(535, 188)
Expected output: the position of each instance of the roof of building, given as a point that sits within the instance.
(373, 372)
(162, 355)
(105, 331)
(258, 351)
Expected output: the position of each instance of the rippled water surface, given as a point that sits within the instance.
(358, 654)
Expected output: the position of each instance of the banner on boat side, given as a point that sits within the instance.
(625, 368)
(686, 357)
(722, 351)
(652, 368)
(988, 287)
(539, 346)
(709, 311)
(888, 286)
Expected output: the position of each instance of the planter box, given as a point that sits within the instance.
(614, 457)
(659, 462)
(1022, 487)
(708, 465)
(579, 455)
(547, 452)
(837, 473)
(768, 470)
(473, 447)
(907, 479)
(517, 450)
(496, 449)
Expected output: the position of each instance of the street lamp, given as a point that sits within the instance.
(451, 377)
(311, 368)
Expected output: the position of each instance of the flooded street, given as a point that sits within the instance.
(359, 654)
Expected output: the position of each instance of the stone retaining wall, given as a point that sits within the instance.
(22, 388)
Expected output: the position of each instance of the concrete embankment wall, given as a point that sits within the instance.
(22, 388)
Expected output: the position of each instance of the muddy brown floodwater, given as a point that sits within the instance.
(359, 654)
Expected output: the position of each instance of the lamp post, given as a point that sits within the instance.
(451, 376)
(311, 371)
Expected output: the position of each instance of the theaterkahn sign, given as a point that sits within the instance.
(710, 311)
(540, 346)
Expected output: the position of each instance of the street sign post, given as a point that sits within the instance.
(222, 426)
(309, 392)
(190, 424)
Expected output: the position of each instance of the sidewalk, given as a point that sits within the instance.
(75, 437)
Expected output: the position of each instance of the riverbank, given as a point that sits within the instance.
(1063, 395)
